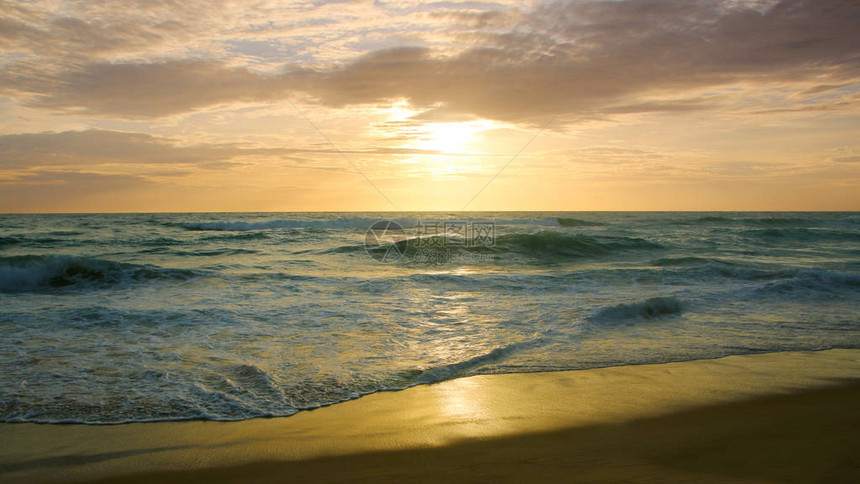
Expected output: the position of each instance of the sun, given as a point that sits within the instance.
(446, 137)
(463, 137)
(452, 147)
(443, 137)
(446, 149)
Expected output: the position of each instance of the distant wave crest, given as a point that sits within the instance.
(575, 222)
(340, 223)
(353, 223)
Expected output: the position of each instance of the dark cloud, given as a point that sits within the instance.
(605, 56)
(68, 37)
(155, 89)
(847, 159)
(580, 58)
(480, 19)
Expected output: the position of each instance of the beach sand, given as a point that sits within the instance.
(780, 417)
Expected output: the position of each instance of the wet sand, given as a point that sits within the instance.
(782, 417)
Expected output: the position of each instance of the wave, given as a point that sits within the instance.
(243, 391)
(542, 246)
(698, 268)
(802, 235)
(339, 223)
(648, 309)
(157, 242)
(30, 241)
(550, 244)
(30, 273)
(542, 222)
(254, 380)
(349, 249)
(713, 219)
(811, 220)
(683, 261)
(454, 370)
(780, 221)
(244, 235)
(806, 282)
(214, 252)
(9, 241)
(575, 222)
(739, 271)
(365, 223)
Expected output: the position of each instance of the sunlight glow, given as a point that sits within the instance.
(451, 147)
(451, 137)
(400, 111)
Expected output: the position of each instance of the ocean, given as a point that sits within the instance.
(113, 318)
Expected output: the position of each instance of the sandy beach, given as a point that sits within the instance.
(779, 417)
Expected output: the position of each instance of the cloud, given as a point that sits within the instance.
(847, 159)
(41, 40)
(95, 147)
(574, 58)
(155, 89)
(481, 19)
(100, 147)
(80, 181)
(580, 57)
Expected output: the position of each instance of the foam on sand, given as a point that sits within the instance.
(702, 421)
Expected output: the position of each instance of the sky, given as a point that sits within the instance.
(211, 105)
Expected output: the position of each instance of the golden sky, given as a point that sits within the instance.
(210, 105)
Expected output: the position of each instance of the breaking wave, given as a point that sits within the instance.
(228, 316)
(648, 309)
(45, 272)
(806, 282)
(543, 244)
(454, 370)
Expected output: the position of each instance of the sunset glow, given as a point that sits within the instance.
(297, 106)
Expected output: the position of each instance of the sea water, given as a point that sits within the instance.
(110, 318)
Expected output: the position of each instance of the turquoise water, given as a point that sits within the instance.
(141, 317)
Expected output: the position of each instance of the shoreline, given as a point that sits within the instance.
(491, 418)
(397, 390)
